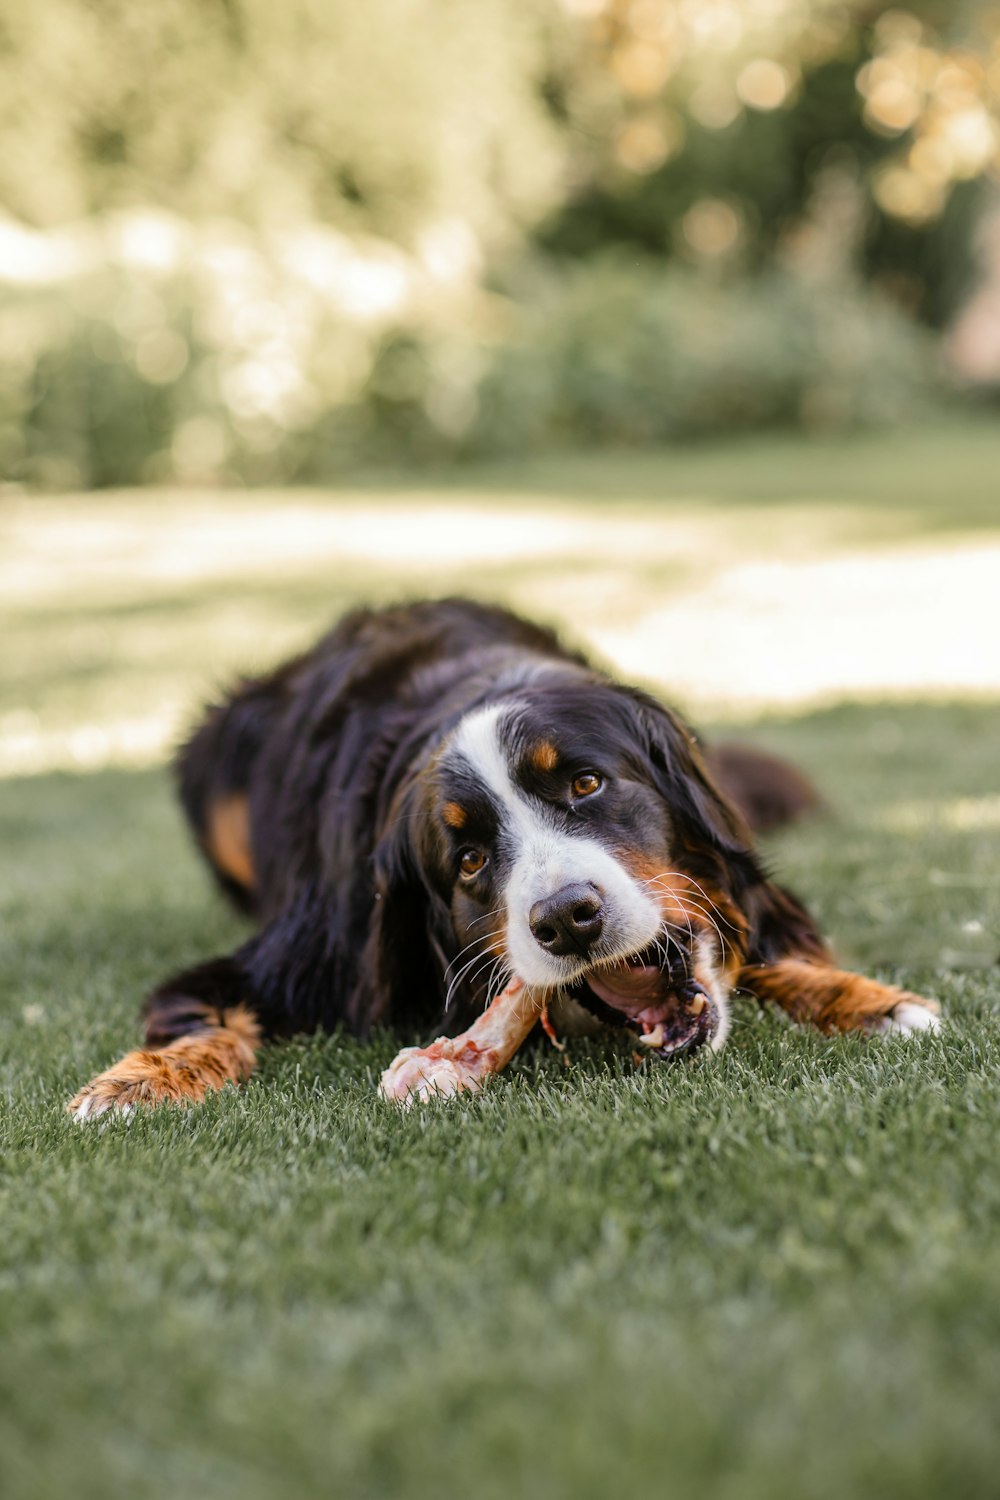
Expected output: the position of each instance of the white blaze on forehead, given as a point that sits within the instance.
(545, 856)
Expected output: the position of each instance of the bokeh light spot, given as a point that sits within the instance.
(764, 84)
(713, 228)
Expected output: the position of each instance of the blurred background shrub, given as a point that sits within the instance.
(256, 242)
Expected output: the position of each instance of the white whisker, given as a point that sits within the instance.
(471, 965)
(482, 938)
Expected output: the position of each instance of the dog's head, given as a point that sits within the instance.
(568, 834)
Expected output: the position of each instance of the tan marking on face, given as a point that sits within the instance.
(545, 756)
(228, 838)
(694, 906)
(454, 815)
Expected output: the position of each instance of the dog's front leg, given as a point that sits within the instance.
(182, 1071)
(835, 1000)
(452, 1064)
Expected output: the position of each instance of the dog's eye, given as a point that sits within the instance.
(587, 784)
(471, 862)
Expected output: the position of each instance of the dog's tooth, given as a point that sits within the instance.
(653, 1038)
(696, 1004)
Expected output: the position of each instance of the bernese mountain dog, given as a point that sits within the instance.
(442, 819)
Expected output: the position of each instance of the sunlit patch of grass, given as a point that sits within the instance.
(967, 813)
(723, 578)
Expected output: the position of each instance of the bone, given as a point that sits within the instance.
(452, 1065)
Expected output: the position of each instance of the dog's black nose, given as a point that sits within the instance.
(570, 921)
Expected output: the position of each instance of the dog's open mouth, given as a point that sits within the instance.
(668, 1009)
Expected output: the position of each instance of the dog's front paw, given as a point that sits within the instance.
(140, 1079)
(418, 1072)
(182, 1072)
(454, 1065)
(908, 1016)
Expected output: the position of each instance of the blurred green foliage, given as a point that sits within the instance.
(372, 117)
(621, 351)
(256, 242)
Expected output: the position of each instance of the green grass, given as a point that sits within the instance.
(773, 1273)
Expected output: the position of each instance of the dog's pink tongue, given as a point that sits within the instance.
(634, 991)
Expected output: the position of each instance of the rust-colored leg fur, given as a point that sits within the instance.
(178, 1073)
(833, 999)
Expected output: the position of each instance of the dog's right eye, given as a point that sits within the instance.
(471, 862)
(587, 783)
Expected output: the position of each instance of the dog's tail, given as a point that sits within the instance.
(767, 790)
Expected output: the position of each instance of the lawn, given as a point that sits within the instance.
(772, 1273)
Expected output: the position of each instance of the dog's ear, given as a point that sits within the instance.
(712, 833)
(410, 935)
(780, 927)
(716, 844)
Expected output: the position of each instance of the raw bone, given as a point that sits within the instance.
(452, 1064)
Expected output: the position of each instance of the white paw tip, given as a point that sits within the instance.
(91, 1107)
(906, 1018)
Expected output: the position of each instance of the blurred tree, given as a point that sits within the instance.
(381, 116)
(692, 128)
(257, 240)
(705, 131)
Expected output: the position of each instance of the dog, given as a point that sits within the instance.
(442, 817)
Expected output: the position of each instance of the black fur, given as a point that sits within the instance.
(354, 878)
